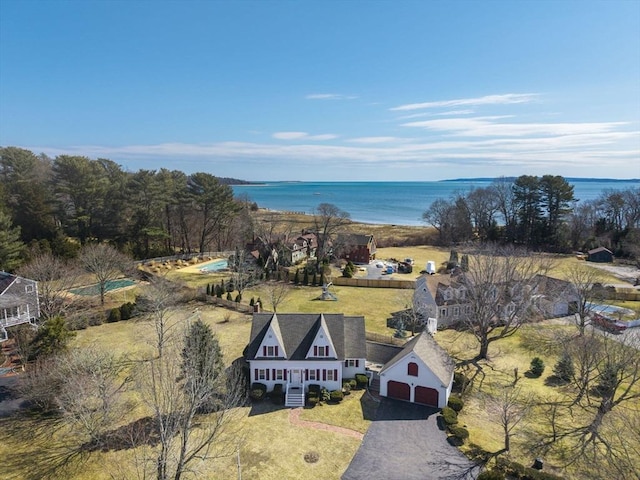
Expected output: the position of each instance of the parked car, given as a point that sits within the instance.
(608, 324)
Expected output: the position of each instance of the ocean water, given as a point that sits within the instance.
(395, 203)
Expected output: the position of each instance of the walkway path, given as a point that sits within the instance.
(294, 419)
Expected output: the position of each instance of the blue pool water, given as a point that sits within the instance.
(110, 285)
(607, 308)
(214, 266)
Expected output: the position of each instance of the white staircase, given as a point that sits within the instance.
(294, 397)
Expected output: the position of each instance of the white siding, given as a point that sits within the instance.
(425, 378)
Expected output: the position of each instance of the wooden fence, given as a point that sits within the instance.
(385, 339)
(373, 282)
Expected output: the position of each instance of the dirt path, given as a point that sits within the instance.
(294, 419)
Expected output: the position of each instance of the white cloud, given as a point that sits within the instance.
(303, 136)
(373, 140)
(289, 135)
(329, 96)
(507, 98)
(487, 127)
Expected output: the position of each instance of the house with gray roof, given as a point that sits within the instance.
(18, 302)
(299, 349)
(422, 372)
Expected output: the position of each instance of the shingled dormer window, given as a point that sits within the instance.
(321, 351)
(270, 351)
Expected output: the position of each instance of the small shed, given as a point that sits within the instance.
(600, 255)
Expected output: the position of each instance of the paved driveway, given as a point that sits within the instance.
(9, 400)
(405, 443)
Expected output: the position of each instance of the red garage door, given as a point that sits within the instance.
(399, 390)
(427, 396)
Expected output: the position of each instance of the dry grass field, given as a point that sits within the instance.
(268, 446)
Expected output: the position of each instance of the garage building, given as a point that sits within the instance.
(422, 372)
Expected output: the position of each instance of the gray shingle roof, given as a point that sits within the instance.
(432, 354)
(298, 330)
(381, 352)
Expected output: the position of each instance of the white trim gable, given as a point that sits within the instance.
(322, 345)
(272, 345)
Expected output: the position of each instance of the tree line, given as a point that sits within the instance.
(539, 213)
(61, 204)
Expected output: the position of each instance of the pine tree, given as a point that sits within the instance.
(202, 364)
(10, 244)
(208, 290)
(564, 368)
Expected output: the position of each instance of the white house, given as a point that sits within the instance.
(422, 372)
(18, 302)
(445, 297)
(299, 349)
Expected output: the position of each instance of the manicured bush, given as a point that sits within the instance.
(314, 389)
(312, 401)
(460, 381)
(449, 416)
(353, 384)
(229, 297)
(258, 391)
(127, 310)
(114, 315)
(361, 380)
(325, 395)
(238, 298)
(460, 433)
(455, 403)
(491, 475)
(537, 367)
(346, 388)
(336, 396)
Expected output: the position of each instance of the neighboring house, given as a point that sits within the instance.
(555, 297)
(442, 297)
(301, 248)
(299, 349)
(357, 248)
(600, 255)
(445, 298)
(422, 372)
(18, 302)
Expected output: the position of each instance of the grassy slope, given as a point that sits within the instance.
(272, 448)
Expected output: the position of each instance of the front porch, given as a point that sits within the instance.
(295, 387)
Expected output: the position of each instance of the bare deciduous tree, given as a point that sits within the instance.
(328, 220)
(500, 286)
(606, 389)
(276, 292)
(191, 397)
(511, 408)
(55, 278)
(582, 280)
(105, 263)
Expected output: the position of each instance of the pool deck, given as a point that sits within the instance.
(198, 266)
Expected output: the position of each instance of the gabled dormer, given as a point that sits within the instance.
(272, 345)
(322, 345)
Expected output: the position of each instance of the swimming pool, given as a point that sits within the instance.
(109, 286)
(214, 266)
(594, 307)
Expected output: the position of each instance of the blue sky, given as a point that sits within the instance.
(327, 90)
